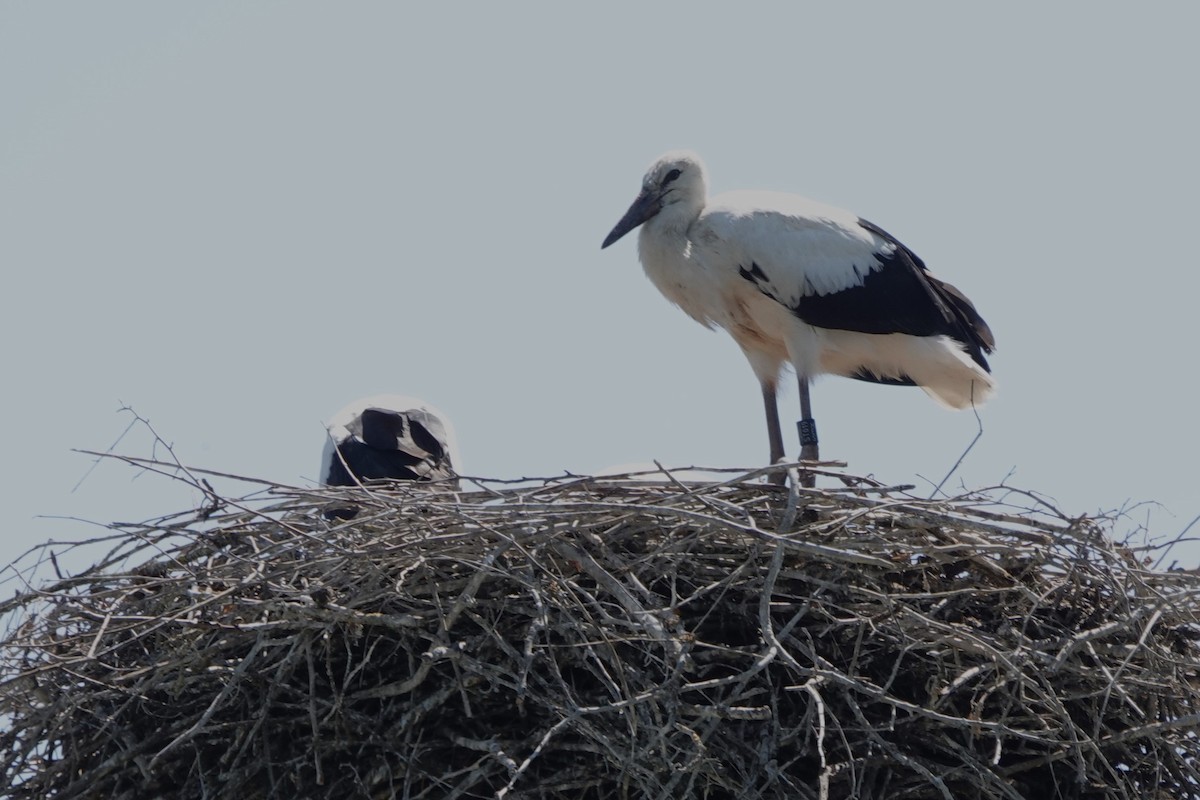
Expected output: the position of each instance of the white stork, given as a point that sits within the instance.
(388, 436)
(795, 281)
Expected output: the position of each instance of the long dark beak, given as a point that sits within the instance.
(645, 206)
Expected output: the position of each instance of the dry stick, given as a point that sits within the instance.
(898, 756)
(281, 671)
(192, 472)
(1179, 538)
(482, 572)
(620, 593)
(694, 491)
(91, 653)
(100, 456)
(227, 690)
(768, 630)
(1113, 685)
(823, 779)
(793, 501)
(1141, 642)
(714, 714)
(312, 714)
(808, 548)
(178, 465)
(865, 687)
(205, 488)
(546, 737)
(971, 446)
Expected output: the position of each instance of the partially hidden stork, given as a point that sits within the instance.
(795, 281)
(389, 436)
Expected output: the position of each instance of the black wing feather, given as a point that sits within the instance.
(900, 296)
(369, 463)
(387, 444)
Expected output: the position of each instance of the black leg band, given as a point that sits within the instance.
(808, 431)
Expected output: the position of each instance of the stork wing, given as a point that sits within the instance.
(834, 270)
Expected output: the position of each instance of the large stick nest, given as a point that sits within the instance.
(598, 638)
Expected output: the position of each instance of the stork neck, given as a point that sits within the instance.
(667, 232)
(660, 244)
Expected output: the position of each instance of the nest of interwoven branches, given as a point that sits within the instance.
(589, 637)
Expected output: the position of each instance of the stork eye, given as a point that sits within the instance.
(672, 175)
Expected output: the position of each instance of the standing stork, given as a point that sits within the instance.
(795, 281)
(388, 436)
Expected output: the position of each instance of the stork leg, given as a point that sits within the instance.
(774, 432)
(809, 450)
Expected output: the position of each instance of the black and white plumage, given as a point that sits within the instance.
(389, 436)
(794, 281)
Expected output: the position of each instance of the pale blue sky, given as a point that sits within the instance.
(236, 217)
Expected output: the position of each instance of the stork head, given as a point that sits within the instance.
(674, 188)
